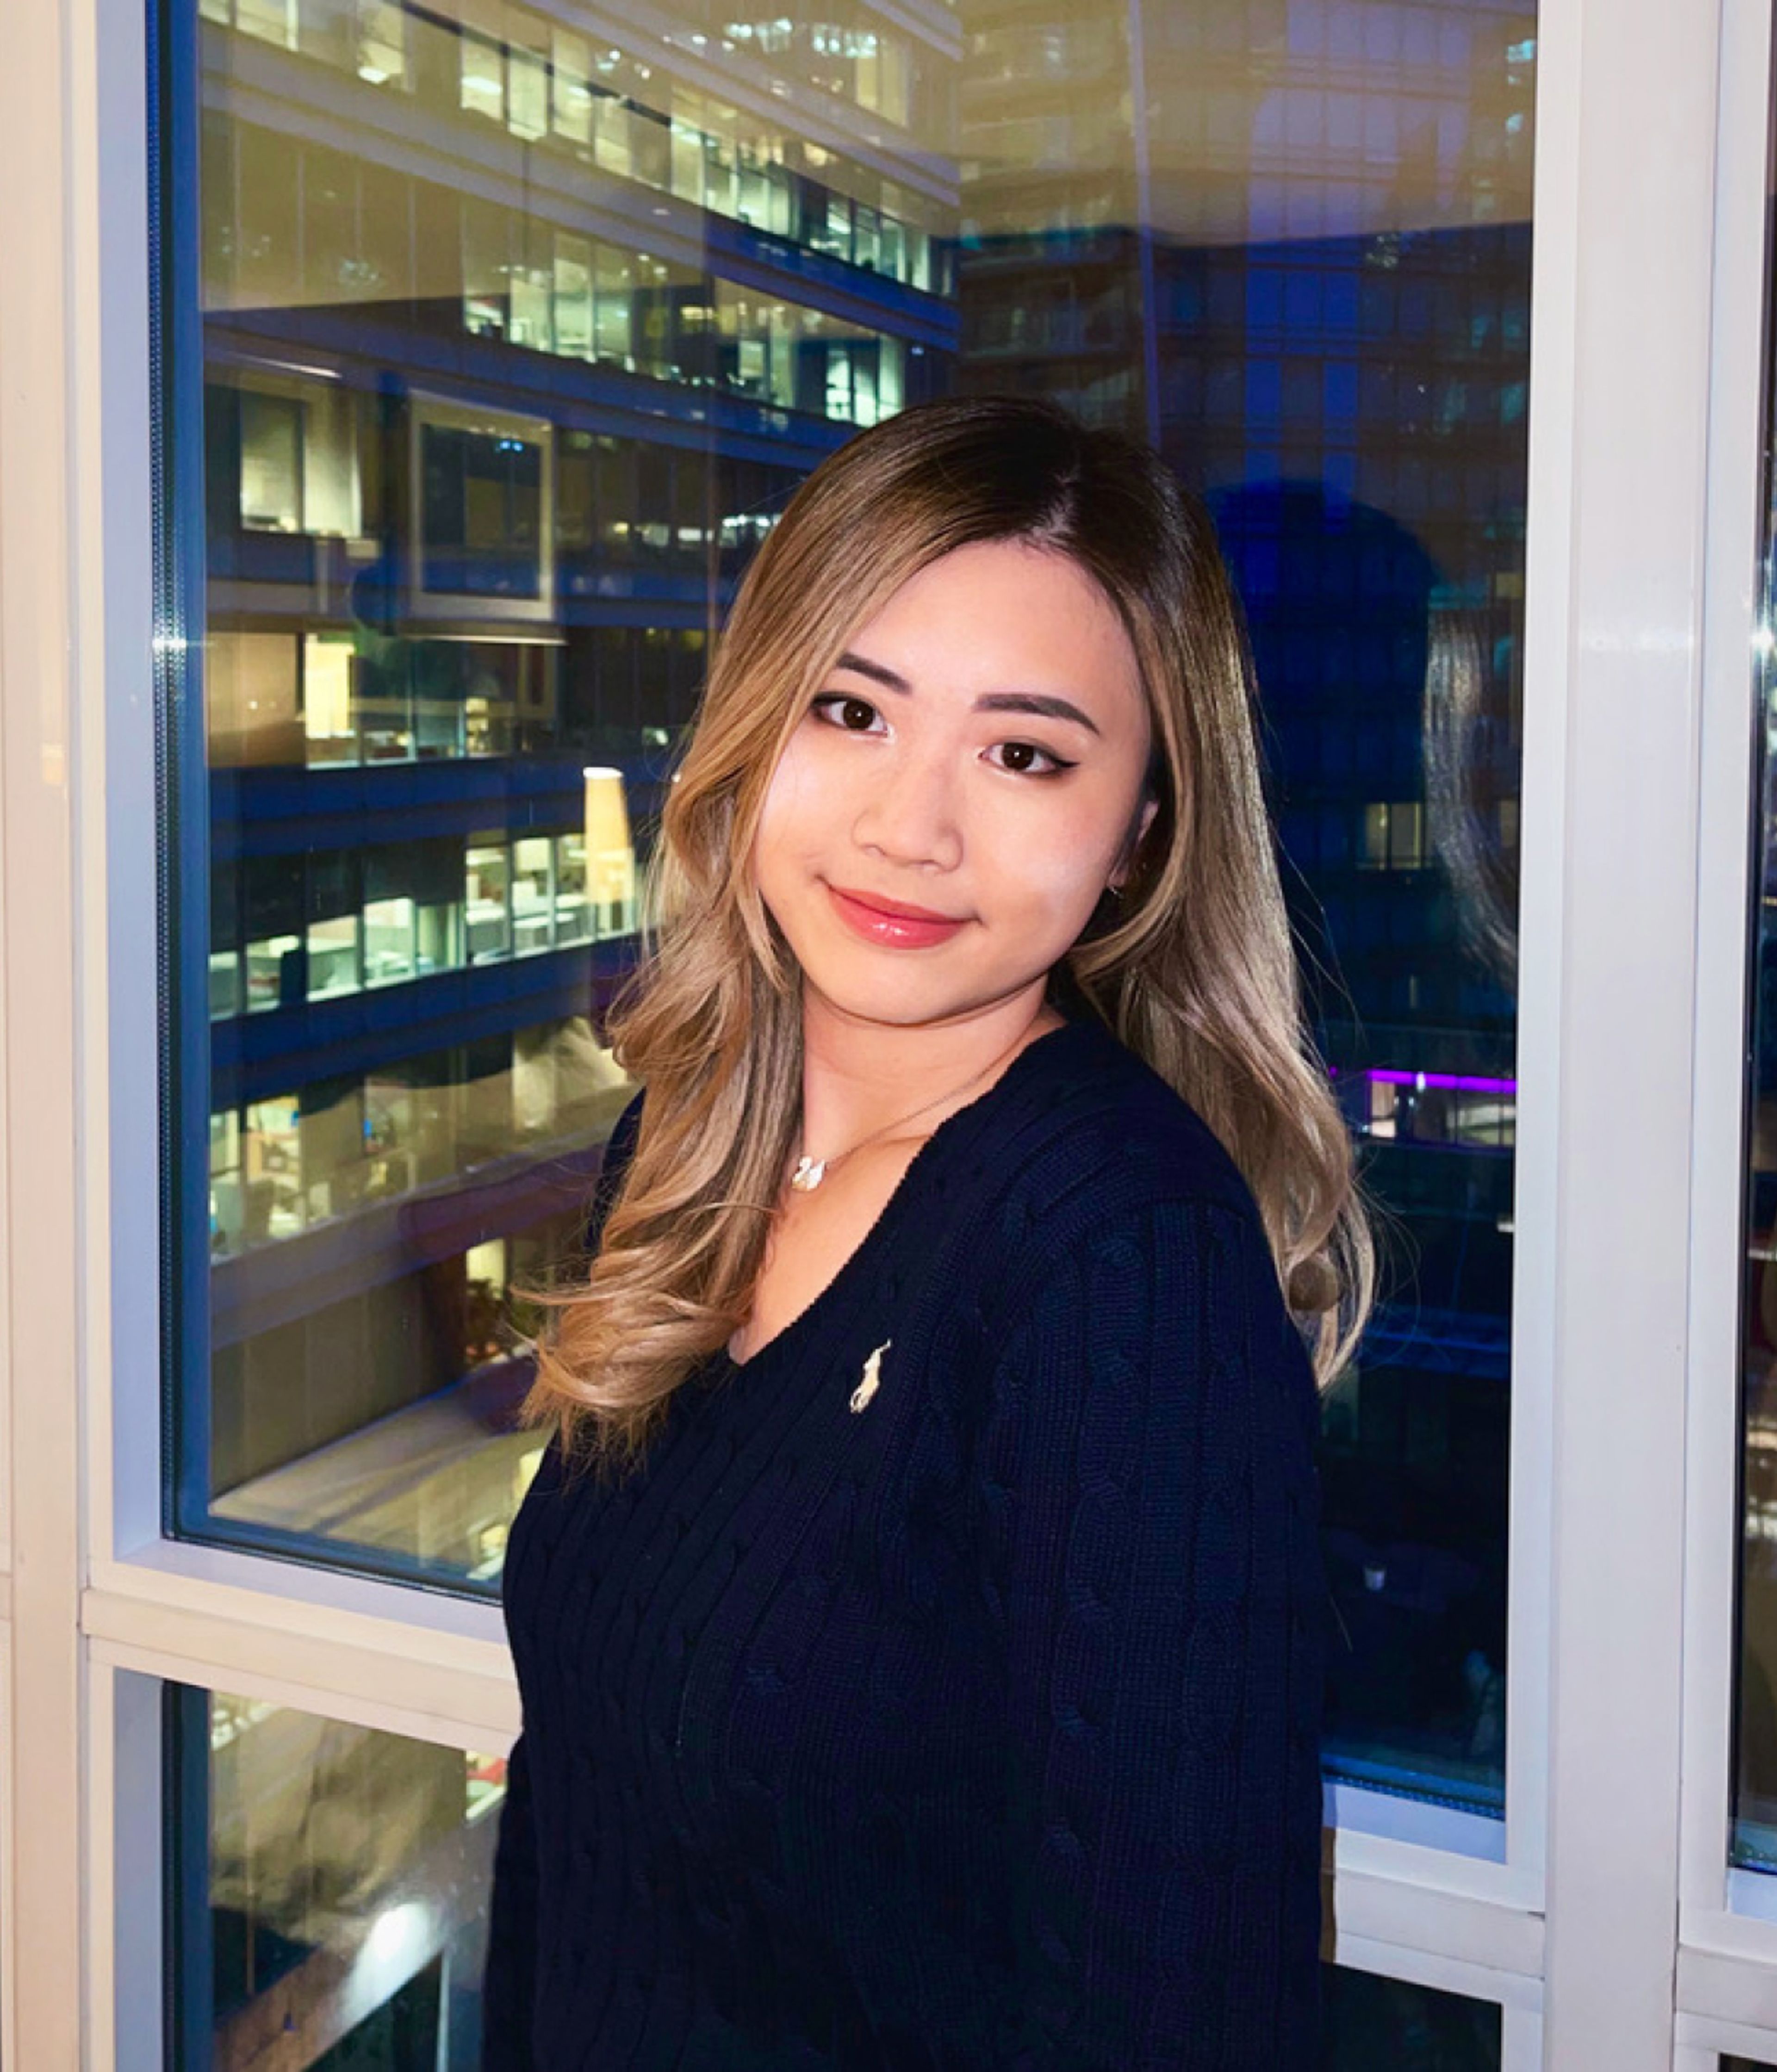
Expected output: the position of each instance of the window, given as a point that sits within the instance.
(447, 619)
(483, 509)
(330, 1882)
(271, 463)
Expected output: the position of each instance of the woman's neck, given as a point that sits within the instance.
(861, 1076)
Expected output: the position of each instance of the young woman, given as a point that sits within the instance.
(917, 1609)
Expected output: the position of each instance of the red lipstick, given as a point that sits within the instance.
(890, 923)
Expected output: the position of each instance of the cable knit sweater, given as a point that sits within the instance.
(976, 1727)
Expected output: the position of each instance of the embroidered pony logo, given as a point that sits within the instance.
(873, 1368)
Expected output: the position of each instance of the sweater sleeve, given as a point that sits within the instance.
(1147, 1474)
(508, 1978)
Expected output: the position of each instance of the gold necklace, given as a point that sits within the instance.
(810, 1172)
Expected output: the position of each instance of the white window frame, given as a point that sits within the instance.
(1601, 1917)
(1726, 1972)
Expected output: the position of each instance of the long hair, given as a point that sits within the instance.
(1194, 968)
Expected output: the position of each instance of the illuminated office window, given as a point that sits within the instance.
(275, 20)
(483, 516)
(528, 91)
(574, 300)
(574, 919)
(334, 913)
(484, 89)
(488, 900)
(271, 463)
(330, 720)
(382, 42)
(1393, 836)
(570, 92)
(255, 714)
(533, 903)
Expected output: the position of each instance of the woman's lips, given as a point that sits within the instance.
(894, 931)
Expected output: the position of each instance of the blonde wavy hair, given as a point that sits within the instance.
(1194, 968)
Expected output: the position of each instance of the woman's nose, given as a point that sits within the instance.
(909, 814)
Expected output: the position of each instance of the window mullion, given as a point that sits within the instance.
(1636, 142)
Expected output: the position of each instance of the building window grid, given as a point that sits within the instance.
(381, 940)
(282, 1164)
(544, 86)
(569, 296)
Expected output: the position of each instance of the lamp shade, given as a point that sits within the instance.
(611, 849)
(607, 815)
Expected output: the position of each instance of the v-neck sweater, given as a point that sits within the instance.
(976, 1727)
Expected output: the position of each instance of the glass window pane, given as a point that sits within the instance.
(271, 463)
(570, 92)
(328, 1888)
(533, 906)
(528, 91)
(489, 899)
(479, 478)
(482, 514)
(484, 77)
(1754, 1833)
(573, 905)
(1375, 2025)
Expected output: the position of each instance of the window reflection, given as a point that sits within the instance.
(282, 1162)
(518, 335)
(327, 1887)
(1368, 2022)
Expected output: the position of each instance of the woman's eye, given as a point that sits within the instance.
(841, 709)
(1026, 757)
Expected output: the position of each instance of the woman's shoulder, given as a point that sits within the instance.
(1097, 1148)
(1106, 1213)
(1105, 1130)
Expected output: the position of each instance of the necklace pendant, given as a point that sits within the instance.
(809, 1174)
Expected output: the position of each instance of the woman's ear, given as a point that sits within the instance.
(1149, 808)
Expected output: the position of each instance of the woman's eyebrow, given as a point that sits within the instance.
(1039, 703)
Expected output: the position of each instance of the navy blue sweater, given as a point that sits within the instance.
(975, 1728)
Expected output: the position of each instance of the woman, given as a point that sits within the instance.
(916, 1611)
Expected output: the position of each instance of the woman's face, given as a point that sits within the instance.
(978, 754)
